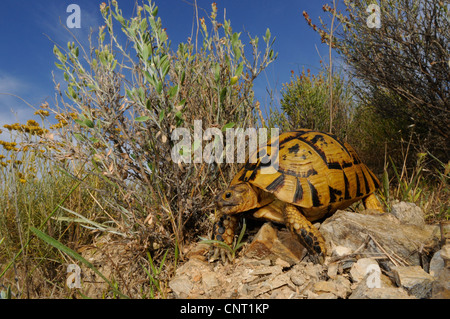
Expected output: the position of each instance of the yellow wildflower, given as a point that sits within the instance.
(32, 123)
(42, 113)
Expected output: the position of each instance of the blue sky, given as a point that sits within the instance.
(27, 60)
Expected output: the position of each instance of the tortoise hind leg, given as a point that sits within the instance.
(372, 202)
(309, 236)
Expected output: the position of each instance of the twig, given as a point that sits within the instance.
(331, 67)
(390, 256)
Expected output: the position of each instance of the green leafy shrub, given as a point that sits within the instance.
(123, 103)
(305, 103)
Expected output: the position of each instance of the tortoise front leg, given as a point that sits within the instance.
(309, 236)
(224, 230)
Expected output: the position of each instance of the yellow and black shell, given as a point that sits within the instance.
(313, 170)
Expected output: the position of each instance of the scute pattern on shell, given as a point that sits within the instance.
(315, 170)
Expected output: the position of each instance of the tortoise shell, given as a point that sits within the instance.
(315, 171)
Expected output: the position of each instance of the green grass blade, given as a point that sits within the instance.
(214, 241)
(241, 234)
(85, 220)
(386, 186)
(162, 261)
(152, 266)
(53, 242)
(43, 223)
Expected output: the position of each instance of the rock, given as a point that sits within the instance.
(340, 287)
(272, 266)
(271, 243)
(436, 264)
(351, 230)
(445, 255)
(441, 286)
(305, 275)
(209, 281)
(364, 266)
(325, 286)
(282, 263)
(181, 286)
(408, 213)
(333, 270)
(440, 269)
(326, 295)
(415, 280)
(339, 251)
(364, 292)
(193, 279)
(198, 251)
(271, 285)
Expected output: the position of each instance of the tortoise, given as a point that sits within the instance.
(316, 174)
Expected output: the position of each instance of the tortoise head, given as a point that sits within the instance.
(237, 198)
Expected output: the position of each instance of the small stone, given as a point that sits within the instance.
(445, 255)
(324, 286)
(269, 243)
(415, 280)
(364, 292)
(343, 286)
(326, 295)
(210, 281)
(408, 213)
(340, 287)
(441, 286)
(282, 263)
(181, 286)
(311, 295)
(362, 267)
(298, 279)
(340, 251)
(436, 264)
(333, 270)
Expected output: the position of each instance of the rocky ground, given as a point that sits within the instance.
(395, 255)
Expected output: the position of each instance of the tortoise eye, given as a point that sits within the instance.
(227, 195)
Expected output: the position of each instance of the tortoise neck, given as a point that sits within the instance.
(264, 198)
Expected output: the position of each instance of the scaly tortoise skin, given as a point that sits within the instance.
(317, 175)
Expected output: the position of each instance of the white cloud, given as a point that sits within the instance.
(10, 84)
